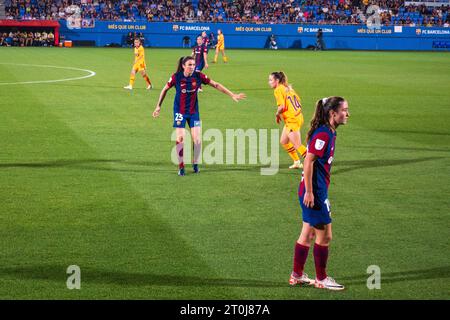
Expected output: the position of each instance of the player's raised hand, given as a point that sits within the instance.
(239, 96)
(156, 112)
(308, 199)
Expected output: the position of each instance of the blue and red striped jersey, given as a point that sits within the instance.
(186, 101)
(205, 42)
(321, 144)
(198, 55)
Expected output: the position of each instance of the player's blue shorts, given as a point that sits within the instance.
(319, 214)
(179, 120)
(199, 67)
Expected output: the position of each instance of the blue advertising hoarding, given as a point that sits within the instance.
(165, 34)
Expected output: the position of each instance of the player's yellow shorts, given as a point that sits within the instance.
(221, 48)
(294, 124)
(138, 67)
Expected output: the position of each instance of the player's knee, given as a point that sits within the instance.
(306, 236)
(180, 139)
(325, 240)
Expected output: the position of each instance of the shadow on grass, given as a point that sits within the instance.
(387, 147)
(121, 278)
(352, 165)
(125, 166)
(401, 276)
(91, 164)
(408, 132)
(155, 166)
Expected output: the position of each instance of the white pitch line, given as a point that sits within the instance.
(91, 74)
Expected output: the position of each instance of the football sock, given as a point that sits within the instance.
(197, 151)
(132, 80)
(320, 260)
(302, 150)
(180, 154)
(300, 256)
(147, 80)
(215, 58)
(290, 149)
(225, 59)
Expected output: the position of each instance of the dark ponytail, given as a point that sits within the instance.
(322, 114)
(182, 61)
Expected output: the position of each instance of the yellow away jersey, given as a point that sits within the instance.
(220, 40)
(139, 55)
(290, 100)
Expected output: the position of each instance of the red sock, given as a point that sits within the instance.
(300, 256)
(320, 260)
(197, 151)
(180, 154)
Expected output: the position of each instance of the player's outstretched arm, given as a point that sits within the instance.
(205, 56)
(308, 168)
(162, 95)
(223, 89)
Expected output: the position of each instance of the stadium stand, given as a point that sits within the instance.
(392, 12)
(2, 10)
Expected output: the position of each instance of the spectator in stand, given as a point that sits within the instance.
(251, 11)
(44, 38)
(50, 39)
(37, 39)
(3, 42)
(15, 38)
(29, 39)
(22, 37)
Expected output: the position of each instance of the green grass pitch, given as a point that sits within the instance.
(86, 179)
